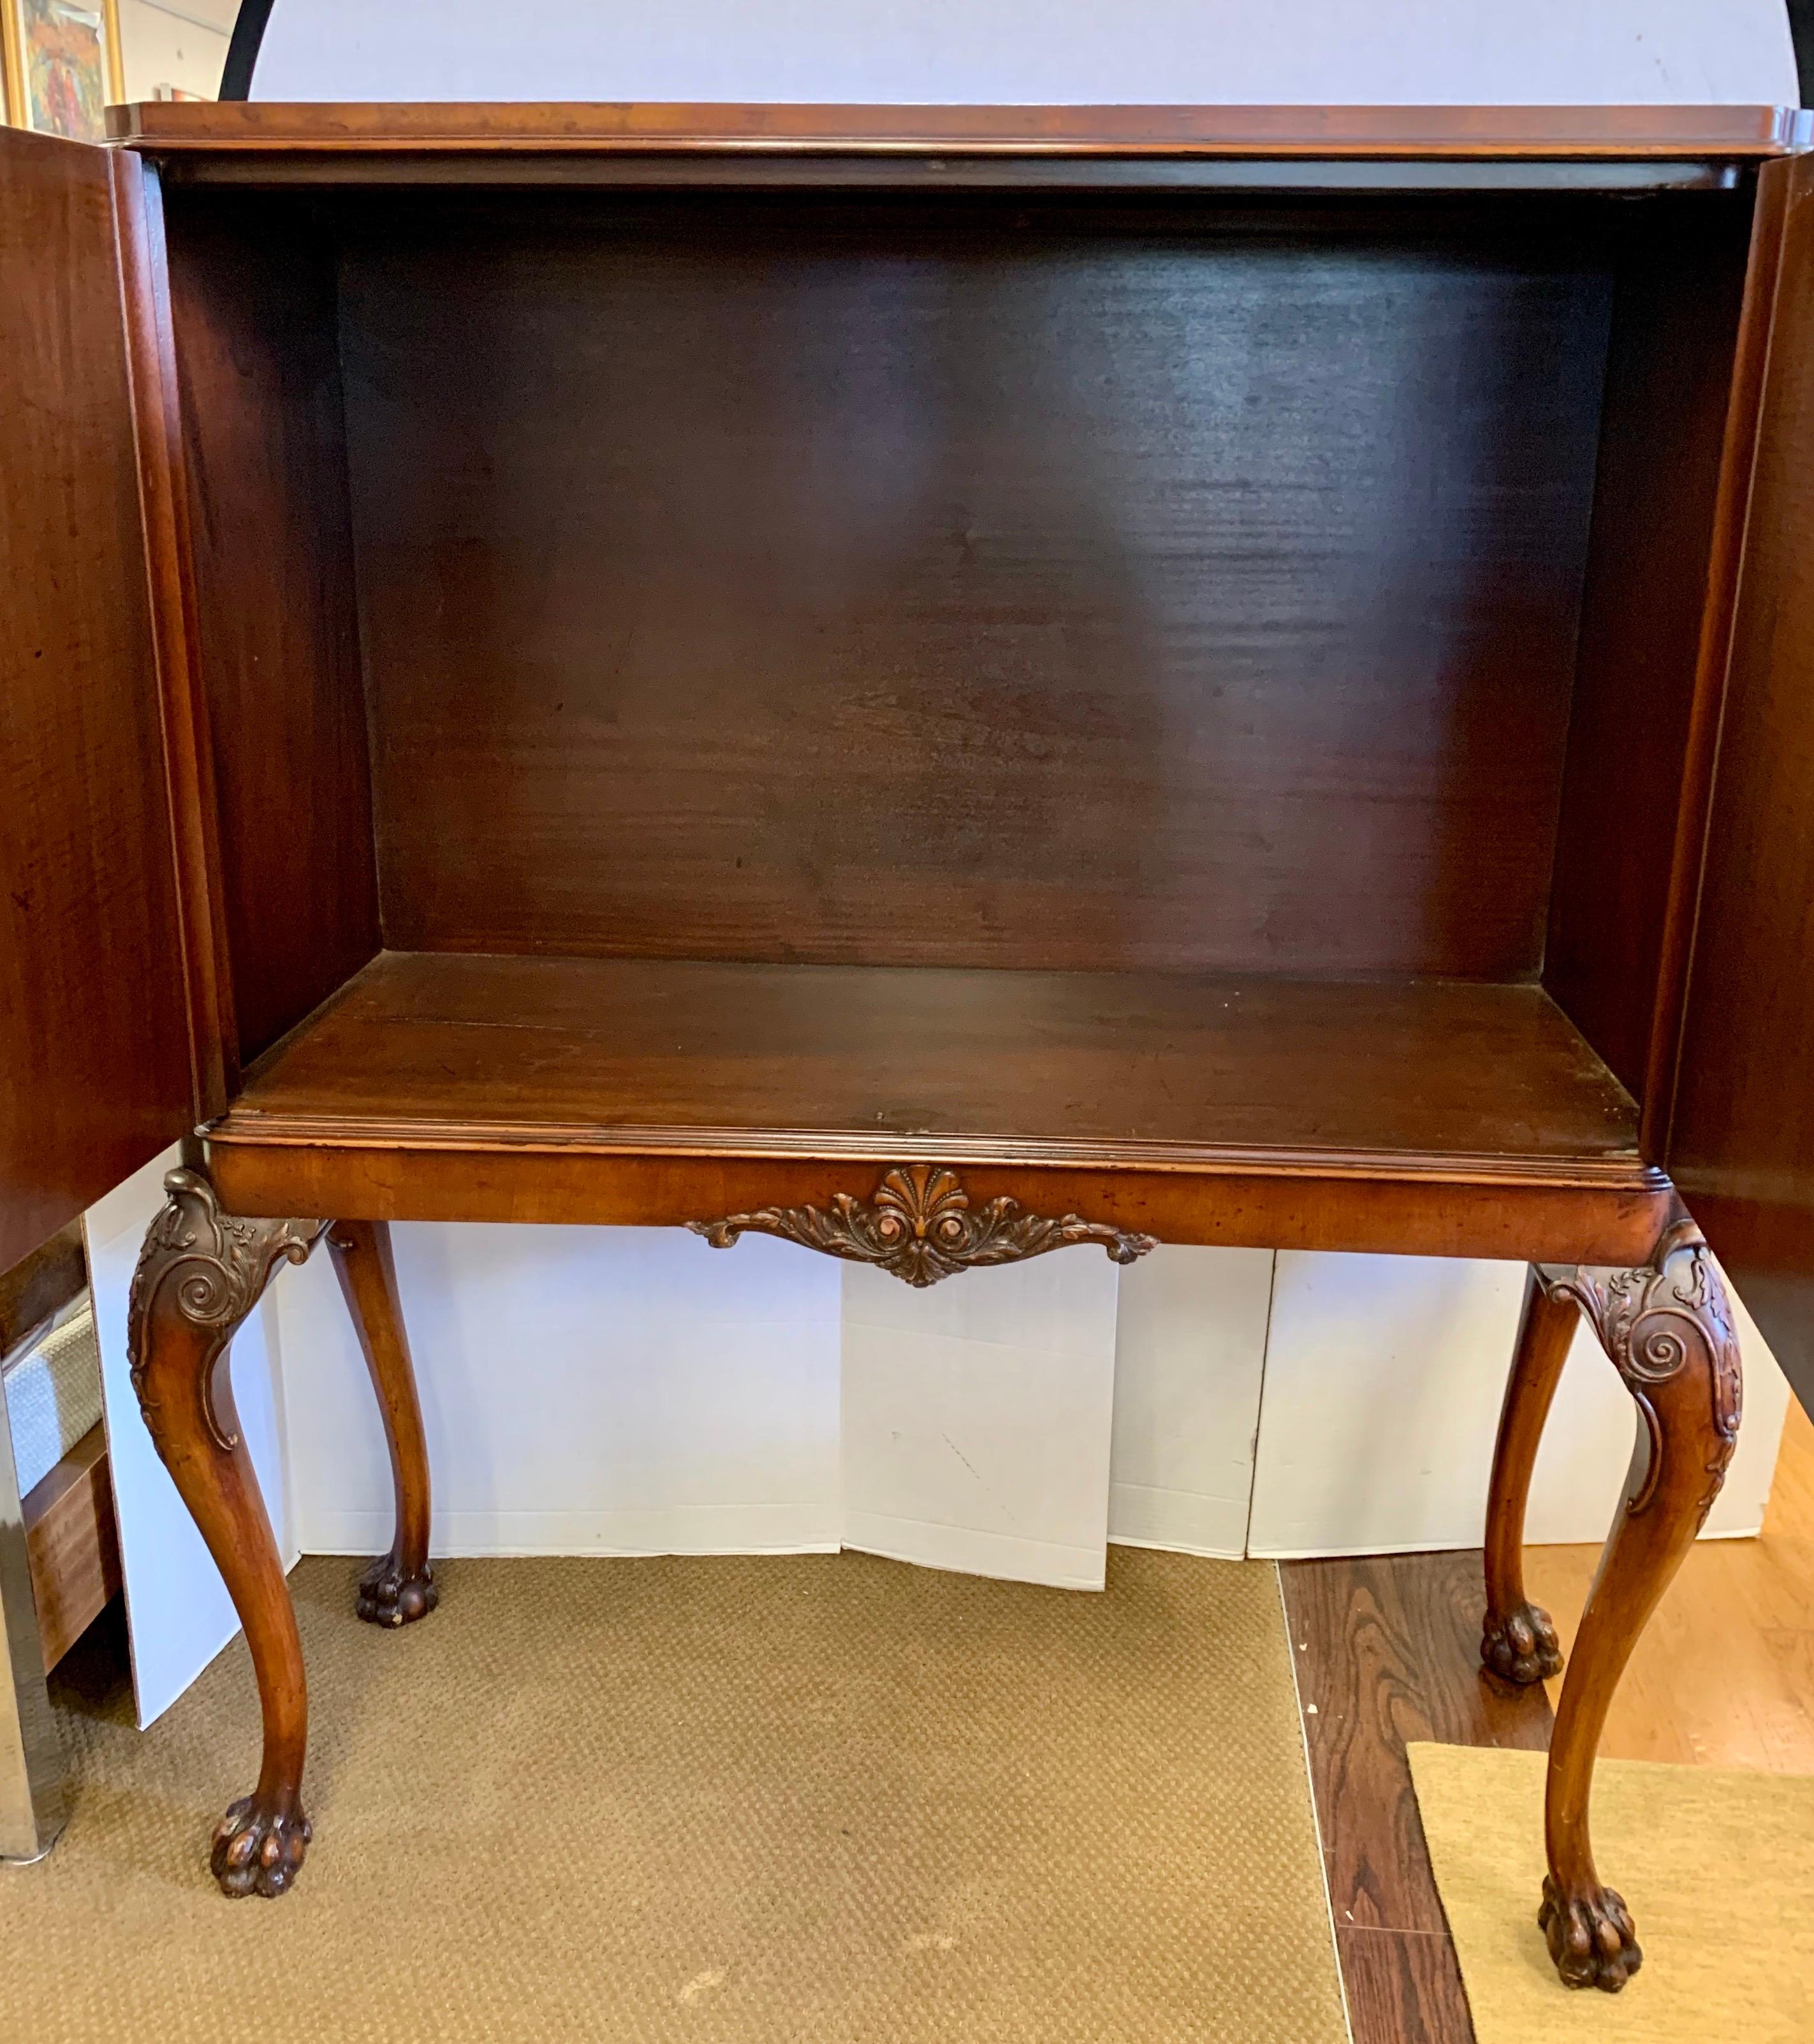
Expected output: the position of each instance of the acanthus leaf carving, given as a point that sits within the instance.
(214, 1264)
(1651, 1322)
(921, 1226)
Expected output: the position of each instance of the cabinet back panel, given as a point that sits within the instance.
(992, 584)
(264, 446)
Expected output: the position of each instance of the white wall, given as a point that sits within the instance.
(181, 43)
(1155, 51)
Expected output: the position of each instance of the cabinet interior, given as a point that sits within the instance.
(1145, 668)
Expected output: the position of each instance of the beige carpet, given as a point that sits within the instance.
(1716, 1867)
(829, 1798)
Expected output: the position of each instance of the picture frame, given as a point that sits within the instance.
(61, 64)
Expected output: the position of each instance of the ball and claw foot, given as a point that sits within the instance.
(387, 1596)
(257, 1851)
(1590, 1938)
(1522, 1646)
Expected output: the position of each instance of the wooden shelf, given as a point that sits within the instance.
(655, 1056)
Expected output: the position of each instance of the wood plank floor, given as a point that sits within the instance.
(1388, 1651)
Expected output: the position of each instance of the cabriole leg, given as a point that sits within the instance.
(199, 1274)
(1518, 1640)
(399, 1586)
(1669, 1331)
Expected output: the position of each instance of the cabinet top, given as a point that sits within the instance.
(200, 132)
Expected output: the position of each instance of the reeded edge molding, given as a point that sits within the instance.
(247, 1127)
(919, 1226)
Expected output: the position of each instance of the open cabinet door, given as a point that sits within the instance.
(1742, 1140)
(95, 1072)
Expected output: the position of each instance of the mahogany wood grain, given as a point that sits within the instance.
(1742, 1144)
(451, 1173)
(1127, 1067)
(188, 749)
(1446, 1118)
(985, 585)
(95, 1050)
(170, 128)
(72, 1545)
(253, 309)
(1744, 421)
(1680, 270)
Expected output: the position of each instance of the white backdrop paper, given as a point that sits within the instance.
(584, 1391)
(976, 1418)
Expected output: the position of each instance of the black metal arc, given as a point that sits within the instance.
(243, 48)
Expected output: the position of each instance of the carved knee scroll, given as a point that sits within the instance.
(200, 1273)
(921, 1227)
(1670, 1333)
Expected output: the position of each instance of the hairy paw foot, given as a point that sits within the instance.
(389, 1597)
(1590, 1937)
(1521, 1646)
(258, 1852)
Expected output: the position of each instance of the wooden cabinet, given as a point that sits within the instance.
(941, 682)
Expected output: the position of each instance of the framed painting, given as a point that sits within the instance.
(62, 59)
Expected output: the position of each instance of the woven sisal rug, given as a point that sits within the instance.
(828, 1798)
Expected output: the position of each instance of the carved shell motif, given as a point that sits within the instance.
(1650, 1322)
(216, 1264)
(921, 1227)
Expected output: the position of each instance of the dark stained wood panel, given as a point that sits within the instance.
(1681, 278)
(977, 584)
(1741, 1146)
(253, 311)
(94, 1052)
(1264, 131)
(1119, 1062)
